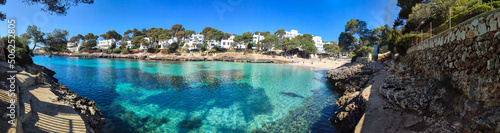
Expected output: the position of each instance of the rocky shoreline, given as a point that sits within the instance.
(352, 79)
(230, 56)
(42, 99)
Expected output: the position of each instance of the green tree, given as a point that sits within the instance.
(26, 38)
(177, 30)
(112, 34)
(421, 13)
(307, 44)
(332, 48)
(74, 39)
(280, 32)
(113, 45)
(357, 27)
(21, 49)
(283, 44)
(346, 40)
(227, 35)
(90, 43)
(406, 7)
(270, 40)
(56, 41)
(201, 47)
(189, 33)
(36, 34)
(245, 37)
(140, 41)
(173, 47)
(90, 36)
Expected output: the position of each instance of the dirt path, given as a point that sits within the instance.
(50, 115)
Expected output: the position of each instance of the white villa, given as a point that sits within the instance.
(240, 45)
(227, 43)
(212, 43)
(105, 44)
(319, 44)
(293, 33)
(257, 38)
(73, 46)
(165, 43)
(193, 40)
(119, 43)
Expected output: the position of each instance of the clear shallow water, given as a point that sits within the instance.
(167, 96)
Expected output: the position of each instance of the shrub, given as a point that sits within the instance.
(134, 47)
(465, 15)
(109, 51)
(125, 51)
(118, 50)
(151, 50)
(99, 50)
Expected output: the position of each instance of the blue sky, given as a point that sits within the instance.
(325, 18)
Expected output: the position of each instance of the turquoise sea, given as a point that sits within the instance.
(168, 96)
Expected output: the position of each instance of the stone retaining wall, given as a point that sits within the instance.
(469, 53)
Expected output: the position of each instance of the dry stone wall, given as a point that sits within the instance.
(469, 53)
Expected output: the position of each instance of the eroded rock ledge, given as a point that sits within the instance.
(351, 78)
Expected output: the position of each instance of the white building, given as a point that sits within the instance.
(227, 43)
(212, 43)
(293, 33)
(193, 40)
(119, 43)
(240, 45)
(129, 44)
(319, 44)
(105, 44)
(257, 39)
(73, 46)
(165, 43)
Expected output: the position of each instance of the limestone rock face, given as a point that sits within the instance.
(351, 78)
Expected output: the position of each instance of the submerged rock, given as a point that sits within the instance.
(290, 94)
(191, 124)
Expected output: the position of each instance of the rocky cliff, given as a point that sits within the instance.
(352, 79)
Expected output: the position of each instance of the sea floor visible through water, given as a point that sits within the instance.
(169, 96)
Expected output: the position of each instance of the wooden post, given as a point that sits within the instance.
(491, 3)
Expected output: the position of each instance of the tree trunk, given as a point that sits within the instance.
(34, 46)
